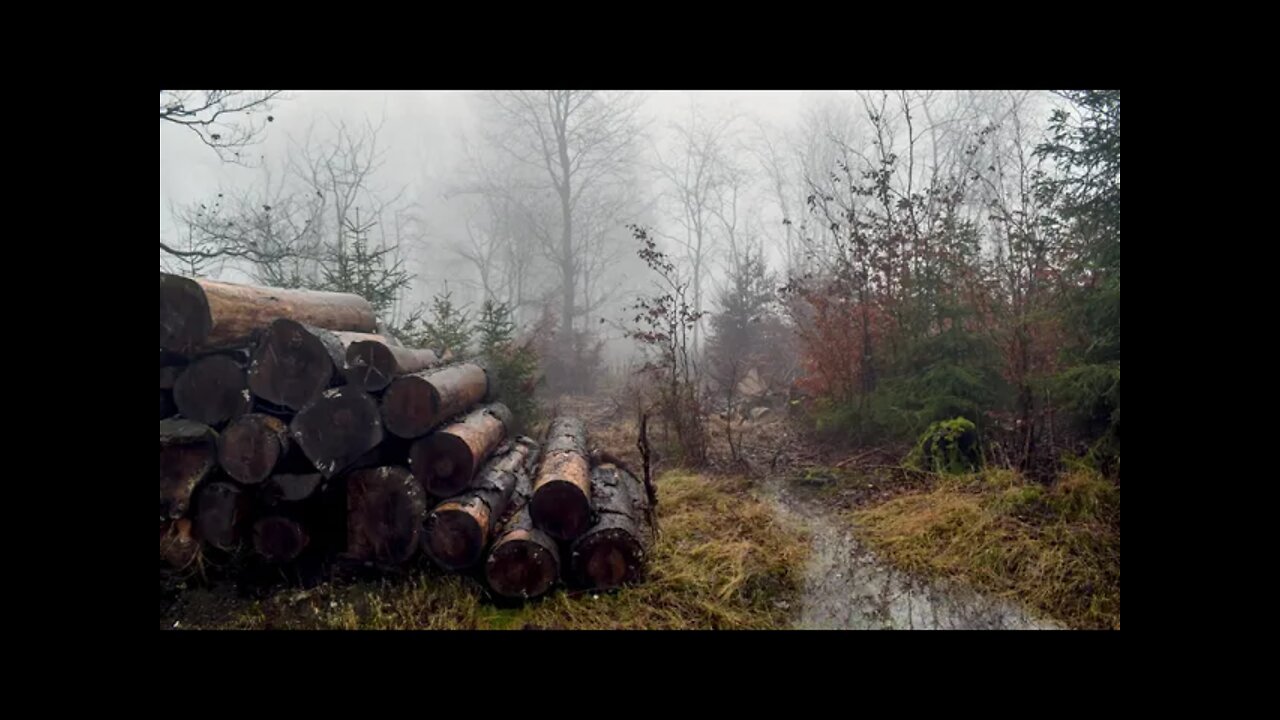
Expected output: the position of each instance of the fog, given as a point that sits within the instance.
(746, 161)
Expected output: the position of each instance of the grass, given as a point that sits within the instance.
(722, 561)
(1054, 548)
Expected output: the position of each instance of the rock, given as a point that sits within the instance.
(757, 413)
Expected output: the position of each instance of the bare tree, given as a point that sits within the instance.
(225, 120)
(693, 172)
(581, 140)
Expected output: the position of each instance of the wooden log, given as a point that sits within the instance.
(212, 390)
(293, 363)
(188, 452)
(612, 552)
(458, 530)
(337, 429)
(385, 511)
(179, 548)
(445, 462)
(561, 504)
(197, 314)
(415, 403)
(524, 561)
(296, 516)
(250, 447)
(373, 363)
(221, 511)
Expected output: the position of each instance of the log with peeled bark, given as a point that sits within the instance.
(413, 404)
(385, 511)
(524, 561)
(458, 530)
(445, 462)
(561, 504)
(212, 389)
(200, 314)
(612, 552)
(293, 363)
(221, 511)
(251, 445)
(179, 547)
(188, 453)
(373, 362)
(337, 429)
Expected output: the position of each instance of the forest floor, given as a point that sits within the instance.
(796, 534)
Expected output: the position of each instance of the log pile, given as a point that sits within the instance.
(291, 428)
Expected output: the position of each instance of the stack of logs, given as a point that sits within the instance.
(291, 427)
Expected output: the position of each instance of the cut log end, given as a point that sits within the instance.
(370, 365)
(219, 514)
(250, 447)
(608, 559)
(454, 535)
(560, 508)
(185, 320)
(179, 548)
(337, 429)
(410, 407)
(291, 365)
(279, 539)
(442, 463)
(522, 567)
(188, 453)
(385, 512)
(212, 390)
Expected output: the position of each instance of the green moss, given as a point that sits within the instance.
(949, 447)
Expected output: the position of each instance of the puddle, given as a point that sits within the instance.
(848, 588)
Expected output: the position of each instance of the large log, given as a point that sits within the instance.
(198, 314)
(212, 389)
(415, 403)
(222, 511)
(373, 362)
(524, 561)
(445, 462)
(458, 530)
(293, 363)
(188, 451)
(337, 429)
(561, 503)
(385, 511)
(251, 445)
(612, 553)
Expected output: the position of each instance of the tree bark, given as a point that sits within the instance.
(293, 363)
(415, 403)
(212, 390)
(613, 552)
(337, 429)
(251, 446)
(188, 450)
(385, 511)
(458, 529)
(200, 314)
(445, 462)
(373, 361)
(524, 562)
(561, 504)
(222, 510)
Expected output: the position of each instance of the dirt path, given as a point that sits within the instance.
(847, 588)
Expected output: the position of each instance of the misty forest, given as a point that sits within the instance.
(572, 359)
